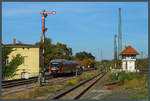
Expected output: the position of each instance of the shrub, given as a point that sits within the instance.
(120, 77)
(113, 76)
(120, 80)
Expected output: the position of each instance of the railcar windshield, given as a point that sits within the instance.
(54, 66)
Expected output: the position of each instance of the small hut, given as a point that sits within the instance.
(128, 59)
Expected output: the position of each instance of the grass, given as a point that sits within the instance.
(128, 87)
(51, 88)
(130, 81)
(72, 82)
(139, 95)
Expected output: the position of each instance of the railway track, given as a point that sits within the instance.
(78, 90)
(18, 82)
(20, 88)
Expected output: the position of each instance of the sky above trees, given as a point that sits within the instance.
(83, 26)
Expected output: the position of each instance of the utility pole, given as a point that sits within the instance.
(119, 35)
(141, 54)
(101, 56)
(44, 15)
(115, 51)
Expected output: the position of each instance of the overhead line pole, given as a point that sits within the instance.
(115, 51)
(119, 35)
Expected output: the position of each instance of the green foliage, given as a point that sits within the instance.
(120, 77)
(128, 87)
(139, 95)
(87, 63)
(113, 76)
(10, 69)
(47, 42)
(84, 55)
(52, 51)
(72, 82)
(146, 78)
(61, 51)
(139, 76)
(5, 52)
(142, 63)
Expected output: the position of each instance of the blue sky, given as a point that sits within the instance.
(83, 26)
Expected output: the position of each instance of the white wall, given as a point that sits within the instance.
(130, 65)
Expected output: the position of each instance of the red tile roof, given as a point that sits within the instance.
(129, 50)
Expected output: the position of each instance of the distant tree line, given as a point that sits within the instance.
(61, 51)
(142, 63)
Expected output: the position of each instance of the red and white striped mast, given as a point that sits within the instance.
(44, 15)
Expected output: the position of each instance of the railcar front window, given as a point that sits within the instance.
(54, 66)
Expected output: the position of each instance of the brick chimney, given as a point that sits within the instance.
(14, 41)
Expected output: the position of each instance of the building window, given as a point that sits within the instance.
(6, 61)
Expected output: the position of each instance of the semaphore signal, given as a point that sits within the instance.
(44, 15)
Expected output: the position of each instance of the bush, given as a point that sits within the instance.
(120, 77)
(113, 76)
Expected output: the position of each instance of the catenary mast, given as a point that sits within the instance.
(119, 35)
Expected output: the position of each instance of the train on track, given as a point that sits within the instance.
(63, 66)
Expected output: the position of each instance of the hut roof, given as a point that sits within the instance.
(129, 50)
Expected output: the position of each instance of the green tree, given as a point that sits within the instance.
(84, 55)
(48, 49)
(52, 51)
(47, 42)
(142, 63)
(63, 51)
(9, 70)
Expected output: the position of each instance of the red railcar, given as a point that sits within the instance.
(59, 66)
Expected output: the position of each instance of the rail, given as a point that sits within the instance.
(78, 85)
(18, 82)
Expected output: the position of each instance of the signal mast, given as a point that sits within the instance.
(44, 15)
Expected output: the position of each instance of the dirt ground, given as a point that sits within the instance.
(122, 94)
(124, 91)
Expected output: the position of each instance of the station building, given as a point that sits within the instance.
(128, 59)
(31, 59)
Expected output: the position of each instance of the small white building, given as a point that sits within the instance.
(128, 59)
